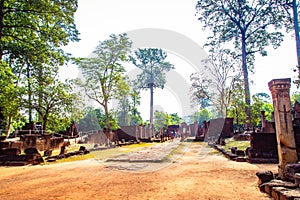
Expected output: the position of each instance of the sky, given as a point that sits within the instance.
(97, 19)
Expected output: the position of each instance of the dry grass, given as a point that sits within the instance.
(241, 145)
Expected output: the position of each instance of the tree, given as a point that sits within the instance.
(136, 118)
(32, 34)
(127, 111)
(10, 97)
(221, 68)
(102, 119)
(90, 121)
(53, 100)
(236, 108)
(154, 67)
(200, 89)
(104, 73)
(202, 115)
(261, 102)
(29, 29)
(250, 25)
(174, 119)
(160, 120)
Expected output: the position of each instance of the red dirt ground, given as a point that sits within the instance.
(195, 175)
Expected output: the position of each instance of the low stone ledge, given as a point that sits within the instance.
(267, 187)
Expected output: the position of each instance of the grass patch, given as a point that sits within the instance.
(114, 152)
(241, 145)
(179, 150)
(71, 159)
(108, 153)
(135, 147)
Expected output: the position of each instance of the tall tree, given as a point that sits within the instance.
(104, 73)
(200, 92)
(250, 25)
(127, 111)
(201, 115)
(154, 67)
(32, 34)
(54, 100)
(10, 97)
(36, 27)
(160, 120)
(236, 108)
(221, 68)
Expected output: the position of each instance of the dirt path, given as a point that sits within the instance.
(199, 174)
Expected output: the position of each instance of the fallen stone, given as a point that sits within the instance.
(283, 193)
(291, 170)
(267, 187)
(240, 153)
(264, 176)
(16, 163)
(12, 151)
(31, 151)
(48, 152)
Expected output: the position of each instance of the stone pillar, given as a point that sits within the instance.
(280, 90)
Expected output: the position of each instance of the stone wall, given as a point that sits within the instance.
(263, 148)
(33, 141)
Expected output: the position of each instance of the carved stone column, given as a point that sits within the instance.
(280, 90)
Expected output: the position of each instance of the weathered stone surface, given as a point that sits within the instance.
(82, 148)
(233, 149)
(280, 90)
(283, 193)
(264, 176)
(16, 163)
(63, 150)
(240, 153)
(267, 187)
(12, 151)
(291, 170)
(31, 150)
(240, 159)
(48, 152)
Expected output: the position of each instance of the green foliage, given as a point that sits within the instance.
(160, 120)
(90, 121)
(54, 101)
(237, 105)
(295, 97)
(163, 120)
(32, 34)
(127, 110)
(153, 65)
(35, 31)
(113, 121)
(202, 115)
(261, 102)
(104, 73)
(174, 119)
(241, 145)
(10, 96)
(250, 26)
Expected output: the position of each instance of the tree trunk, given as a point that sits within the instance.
(296, 26)
(151, 110)
(1, 26)
(29, 94)
(107, 131)
(246, 80)
(8, 125)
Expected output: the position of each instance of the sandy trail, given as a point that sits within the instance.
(198, 174)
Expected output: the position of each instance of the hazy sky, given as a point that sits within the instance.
(97, 19)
